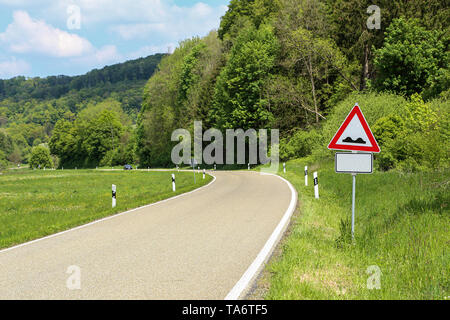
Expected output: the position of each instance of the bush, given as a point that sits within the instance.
(299, 145)
(3, 161)
(412, 60)
(374, 106)
(415, 141)
(413, 135)
(40, 157)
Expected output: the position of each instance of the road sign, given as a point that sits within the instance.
(346, 162)
(354, 134)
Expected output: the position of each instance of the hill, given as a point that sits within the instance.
(30, 107)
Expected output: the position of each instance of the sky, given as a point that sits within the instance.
(71, 37)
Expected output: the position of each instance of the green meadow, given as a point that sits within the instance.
(402, 227)
(36, 203)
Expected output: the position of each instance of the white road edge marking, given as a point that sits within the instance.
(109, 217)
(265, 252)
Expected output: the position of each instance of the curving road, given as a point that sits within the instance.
(195, 246)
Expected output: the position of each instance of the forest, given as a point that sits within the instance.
(31, 108)
(300, 66)
(294, 65)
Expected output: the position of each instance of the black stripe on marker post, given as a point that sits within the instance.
(316, 181)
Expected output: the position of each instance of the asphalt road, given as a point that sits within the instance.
(196, 246)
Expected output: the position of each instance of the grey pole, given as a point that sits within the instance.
(353, 204)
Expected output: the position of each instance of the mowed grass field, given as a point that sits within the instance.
(36, 203)
(402, 227)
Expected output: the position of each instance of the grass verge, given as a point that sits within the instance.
(37, 203)
(402, 228)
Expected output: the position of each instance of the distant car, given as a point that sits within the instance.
(128, 167)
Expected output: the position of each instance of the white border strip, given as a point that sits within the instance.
(108, 218)
(265, 252)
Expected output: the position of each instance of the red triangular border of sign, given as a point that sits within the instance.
(333, 144)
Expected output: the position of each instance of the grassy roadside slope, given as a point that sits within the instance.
(402, 226)
(37, 203)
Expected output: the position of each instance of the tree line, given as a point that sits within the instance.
(291, 64)
(30, 108)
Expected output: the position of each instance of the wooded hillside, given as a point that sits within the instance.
(31, 107)
(299, 66)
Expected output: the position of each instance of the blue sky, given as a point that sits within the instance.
(71, 37)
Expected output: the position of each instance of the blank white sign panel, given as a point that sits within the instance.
(353, 162)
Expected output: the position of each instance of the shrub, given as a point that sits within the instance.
(40, 157)
(3, 161)
(412, 59)
(374, 106)
(413, 135)
(300, 144)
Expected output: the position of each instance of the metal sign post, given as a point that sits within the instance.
(353, 204)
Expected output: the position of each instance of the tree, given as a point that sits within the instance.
(238, 98)
(103, 135)
(309, 53)
(63, 142)
(3, 161)
(163, 108)
(40, 158)
(411, 58)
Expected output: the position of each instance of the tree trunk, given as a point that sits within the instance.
(313, 87)
(365, 67)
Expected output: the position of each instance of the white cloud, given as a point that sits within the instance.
(111, 11)
(138, 30)
(101, 57)
(178, 23)
(26, 35)
(143, 18)
(13, 67)
(149, 50)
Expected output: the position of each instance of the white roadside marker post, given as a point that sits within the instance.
(214, 167)
(248, 166)
(316, 185)
(306, 176)
(203, 173)
(284, 167)
(113, 195)
(173, 182)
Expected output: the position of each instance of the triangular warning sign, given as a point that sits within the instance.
(354, 134)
